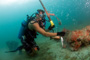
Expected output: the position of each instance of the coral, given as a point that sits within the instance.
(78, 38)
(88, 28)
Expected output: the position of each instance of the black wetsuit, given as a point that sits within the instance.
(29, 42)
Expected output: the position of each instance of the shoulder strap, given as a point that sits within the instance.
(33, 21)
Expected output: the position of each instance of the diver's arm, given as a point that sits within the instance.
(43, 32)
(36, 27)
(55, 37)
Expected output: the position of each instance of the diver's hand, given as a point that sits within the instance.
(61, 33)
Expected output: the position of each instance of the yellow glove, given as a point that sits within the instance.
(52, 24)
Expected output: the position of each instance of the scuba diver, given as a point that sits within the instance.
(31, 27)
(27, 36)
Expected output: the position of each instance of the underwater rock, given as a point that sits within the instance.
(12, 45)
(78, 38)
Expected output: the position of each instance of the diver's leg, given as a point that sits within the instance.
(34, 45)
(18, 49)
(31, 46)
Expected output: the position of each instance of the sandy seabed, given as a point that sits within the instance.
(49, 50)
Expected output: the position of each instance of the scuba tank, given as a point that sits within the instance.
(24, 26)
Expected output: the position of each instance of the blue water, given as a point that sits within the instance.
(74, 14)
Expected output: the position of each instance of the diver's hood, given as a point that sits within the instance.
(41, 11)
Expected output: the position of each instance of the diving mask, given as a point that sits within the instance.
(42, 15)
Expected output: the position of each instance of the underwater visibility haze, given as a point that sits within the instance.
(74, 14)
